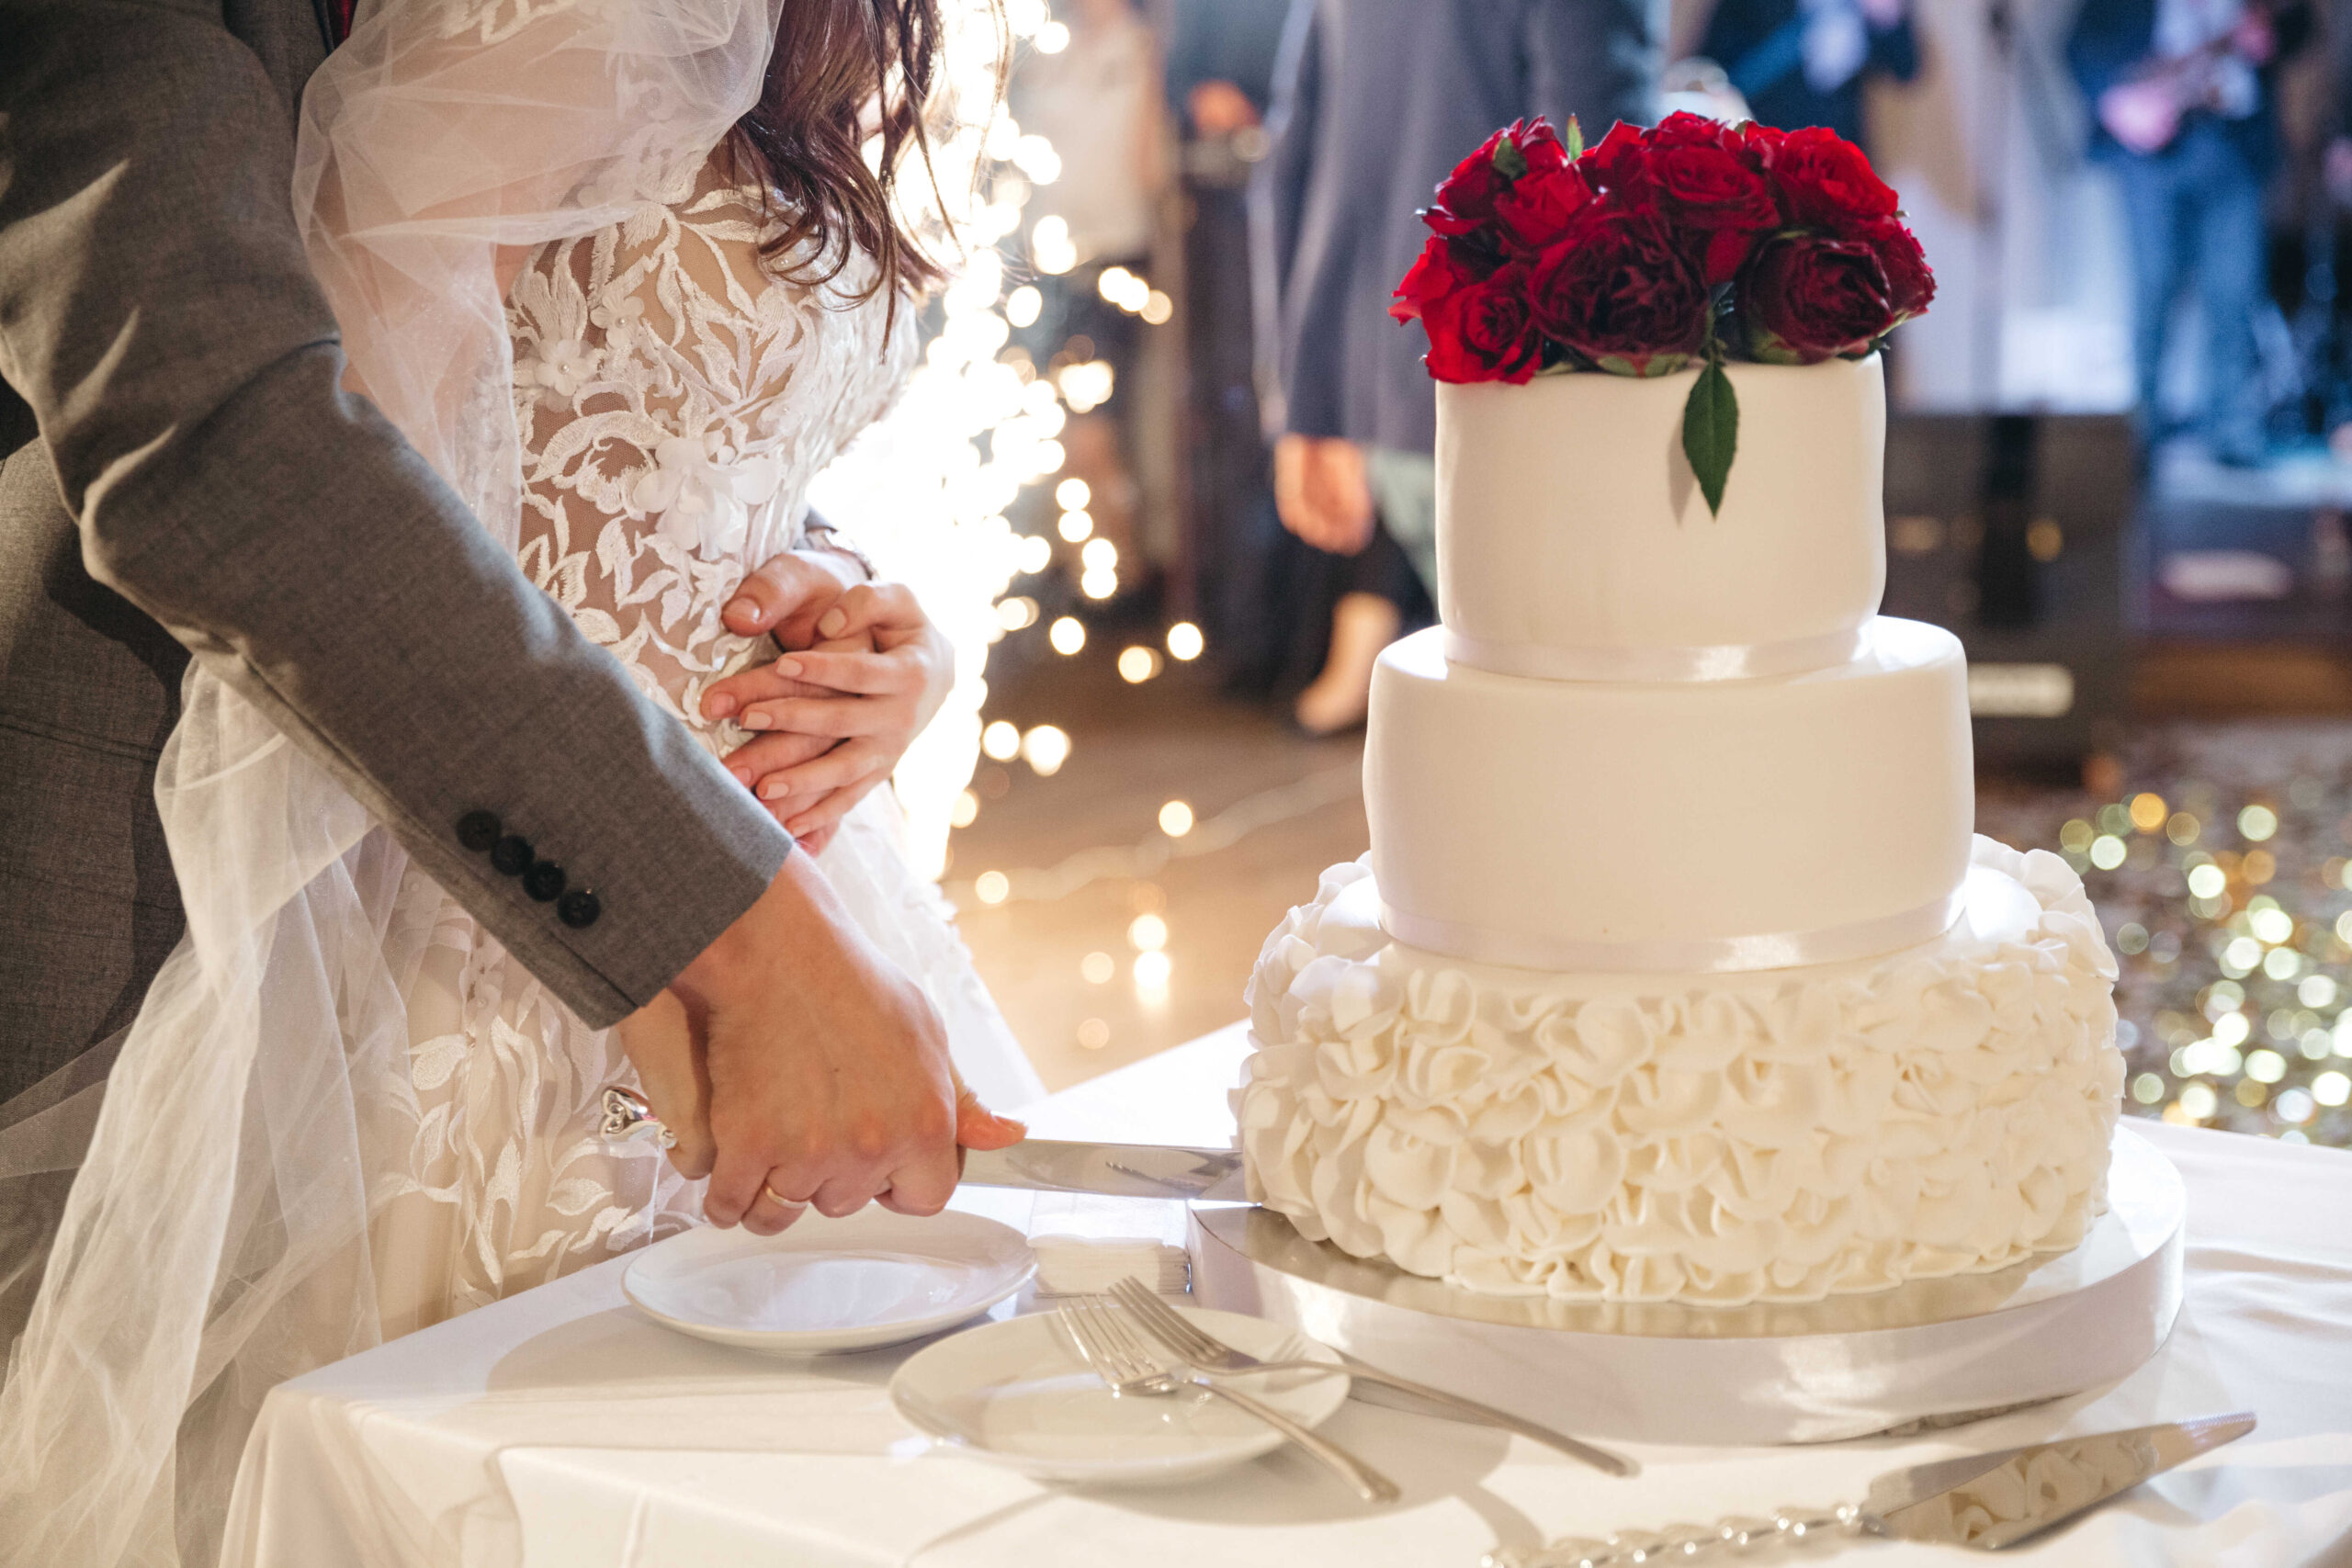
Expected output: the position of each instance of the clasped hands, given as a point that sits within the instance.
(796, 1065)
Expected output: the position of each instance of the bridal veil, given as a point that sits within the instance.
(214, 1240)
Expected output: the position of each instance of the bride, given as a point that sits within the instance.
(628, 273)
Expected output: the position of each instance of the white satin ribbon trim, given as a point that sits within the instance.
(1729, 662)
(1712, 955)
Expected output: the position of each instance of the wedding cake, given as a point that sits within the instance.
(1675, 971)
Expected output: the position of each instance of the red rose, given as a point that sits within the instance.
(1806, 298)
(1443, 267)
(1683, 128)
(1758, 140)
(1539, 207)
(1616, 163)
(1539, 144)
(1717, 201)
(1825, 181)
(1466, 197)
(1465, 201)
(1617, 290)
(1909, 284)
(1484, 332)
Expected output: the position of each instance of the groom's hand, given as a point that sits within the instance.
(829, 1079)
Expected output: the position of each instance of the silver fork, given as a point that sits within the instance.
(1203, 1352)
(1111, 1346)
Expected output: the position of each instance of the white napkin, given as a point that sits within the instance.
(1085, 1244)
(1090, 1265)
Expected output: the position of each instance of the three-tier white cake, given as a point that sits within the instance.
(1675, 971)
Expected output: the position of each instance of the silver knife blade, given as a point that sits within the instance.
(1990, 1501)
(1118, 1170)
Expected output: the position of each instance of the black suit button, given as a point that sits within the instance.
(511, 856)
(476, 831)
(544, 881)
(579, 910)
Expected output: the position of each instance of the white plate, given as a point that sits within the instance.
(874, 1278)
(1017, 1393)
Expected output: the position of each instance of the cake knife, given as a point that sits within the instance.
(1982, 1500)
(1114, 1170)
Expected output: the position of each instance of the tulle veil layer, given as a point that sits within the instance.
(214, 1238)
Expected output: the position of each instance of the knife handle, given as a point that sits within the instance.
(1686, 1543)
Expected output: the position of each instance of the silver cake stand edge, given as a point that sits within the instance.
(2052, 1326)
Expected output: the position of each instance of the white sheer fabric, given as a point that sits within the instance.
(345, 1111)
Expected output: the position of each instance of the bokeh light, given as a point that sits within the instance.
(1046, 747)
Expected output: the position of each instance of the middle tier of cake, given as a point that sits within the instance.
(1580, 826)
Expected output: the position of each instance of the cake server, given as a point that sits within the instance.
(1983, 1501)
(1114, 1171)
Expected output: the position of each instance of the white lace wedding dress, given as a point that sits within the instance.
(674, 398)
(343, 1111)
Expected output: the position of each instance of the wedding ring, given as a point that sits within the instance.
(780, 1201)
(629, 1120)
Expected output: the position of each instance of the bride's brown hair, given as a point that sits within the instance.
(835, 61)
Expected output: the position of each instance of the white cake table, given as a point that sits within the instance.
(560, 1429)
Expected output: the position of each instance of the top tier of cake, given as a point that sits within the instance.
(1573, 542)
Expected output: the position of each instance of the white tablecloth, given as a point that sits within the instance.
(560, 1429)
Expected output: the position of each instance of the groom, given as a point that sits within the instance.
(182, 477)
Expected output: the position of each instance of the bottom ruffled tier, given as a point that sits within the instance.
(1776, 1135)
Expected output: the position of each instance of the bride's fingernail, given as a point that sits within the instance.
(755, 719)
(717, 707)
(773, 789)
(832, 621)
(743, 776)
(743, 607)
(788, 666)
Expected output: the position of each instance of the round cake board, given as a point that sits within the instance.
(1771, 1373)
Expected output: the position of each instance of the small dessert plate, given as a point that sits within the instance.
(872, 1279)
(1017, 1394)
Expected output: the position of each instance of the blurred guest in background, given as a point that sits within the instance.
(1099, 101)
(1245, 577)
(1376, 101)
(2181, 92)
(1801, 63)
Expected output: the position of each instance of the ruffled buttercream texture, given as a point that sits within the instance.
(1782, 1136)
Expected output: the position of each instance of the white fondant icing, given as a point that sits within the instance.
(1513, 818)
(1569, 520)
(1778, 1136)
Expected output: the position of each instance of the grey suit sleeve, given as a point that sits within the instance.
(1598, 60)
(157, 315)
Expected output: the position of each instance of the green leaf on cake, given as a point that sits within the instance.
(1711, 432)
(1574, 140)
(1510, 161)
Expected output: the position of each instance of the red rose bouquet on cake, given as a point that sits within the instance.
(1693, 240)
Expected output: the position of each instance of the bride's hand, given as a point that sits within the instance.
(863, 693)
(661, 1043)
